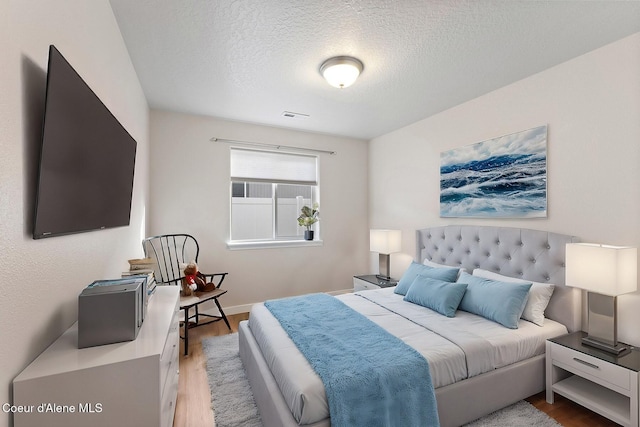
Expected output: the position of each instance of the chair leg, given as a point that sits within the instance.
(224, 317)
(186, 331)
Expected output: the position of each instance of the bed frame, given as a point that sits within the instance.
(522, 253)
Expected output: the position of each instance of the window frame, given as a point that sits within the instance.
(274, 241)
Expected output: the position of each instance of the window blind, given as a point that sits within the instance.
(267, 166)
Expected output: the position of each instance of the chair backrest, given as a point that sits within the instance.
(171, 252)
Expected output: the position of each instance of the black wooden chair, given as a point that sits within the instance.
(171, 252)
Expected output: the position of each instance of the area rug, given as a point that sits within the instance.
(231, 398)
(233, 404)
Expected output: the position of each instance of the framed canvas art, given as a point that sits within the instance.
(504, 177)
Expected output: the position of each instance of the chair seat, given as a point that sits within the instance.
(200, 297)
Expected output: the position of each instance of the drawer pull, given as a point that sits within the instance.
(591, 365)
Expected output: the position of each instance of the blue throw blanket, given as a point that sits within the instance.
(371, 378)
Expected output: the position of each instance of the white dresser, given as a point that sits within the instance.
(133, 383)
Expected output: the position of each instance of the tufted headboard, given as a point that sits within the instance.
(516, 252)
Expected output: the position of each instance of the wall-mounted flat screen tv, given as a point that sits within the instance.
(87, 159)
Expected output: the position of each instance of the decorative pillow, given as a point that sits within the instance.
(440, 296)
(539, 295)
(436, 265)
(501, 302)
(447, 274)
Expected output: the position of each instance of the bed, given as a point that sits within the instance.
(531, 255)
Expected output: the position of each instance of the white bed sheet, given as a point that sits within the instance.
(304, 392)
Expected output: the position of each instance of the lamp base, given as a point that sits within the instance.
(384, 268)
(603, 332)
(614, 349)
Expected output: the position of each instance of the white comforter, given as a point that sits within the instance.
(456, 348)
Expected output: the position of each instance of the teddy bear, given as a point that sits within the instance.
(194, 281)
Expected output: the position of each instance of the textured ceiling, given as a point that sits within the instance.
(251, 60)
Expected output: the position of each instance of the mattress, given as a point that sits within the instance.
(456, 348)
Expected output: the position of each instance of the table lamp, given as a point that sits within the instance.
(385, 242)
(605, 272)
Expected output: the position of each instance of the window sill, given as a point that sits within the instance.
(273, 244)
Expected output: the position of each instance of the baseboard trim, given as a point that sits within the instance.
(246, 308)
(340, 292)
(237, 309)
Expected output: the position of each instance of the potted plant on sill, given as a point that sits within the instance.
(308, 217)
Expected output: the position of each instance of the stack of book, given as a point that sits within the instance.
(142, 267)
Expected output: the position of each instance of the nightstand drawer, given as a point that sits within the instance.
(589, 366)
(363, 285)
(371, 281)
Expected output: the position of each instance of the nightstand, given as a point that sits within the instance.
(603, 382)
(361, 283)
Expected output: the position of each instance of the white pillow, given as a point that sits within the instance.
(539, 295)
(436, 265)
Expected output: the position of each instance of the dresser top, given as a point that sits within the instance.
(64, 356)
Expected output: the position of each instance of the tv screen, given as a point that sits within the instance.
(87, 159)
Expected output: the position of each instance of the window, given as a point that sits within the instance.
(268, 189)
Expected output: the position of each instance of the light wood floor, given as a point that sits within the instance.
(193, 408)
(568, 413)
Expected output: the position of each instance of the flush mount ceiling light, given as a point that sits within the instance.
(341, 71)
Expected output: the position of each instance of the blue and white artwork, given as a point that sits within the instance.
(504, 177)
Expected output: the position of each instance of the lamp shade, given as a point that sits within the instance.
(341, 71)
(603, 269)
(385, 241)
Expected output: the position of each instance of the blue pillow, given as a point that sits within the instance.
(440, 296)
(445, 274)
(498, 301)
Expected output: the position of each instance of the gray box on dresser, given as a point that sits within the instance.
(112, 313)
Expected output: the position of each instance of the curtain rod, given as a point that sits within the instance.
(275, 146)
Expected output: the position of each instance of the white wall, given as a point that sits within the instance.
(190, 192)
(41, 279)
(592, 107)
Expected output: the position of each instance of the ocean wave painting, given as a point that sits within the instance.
(504, 177)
